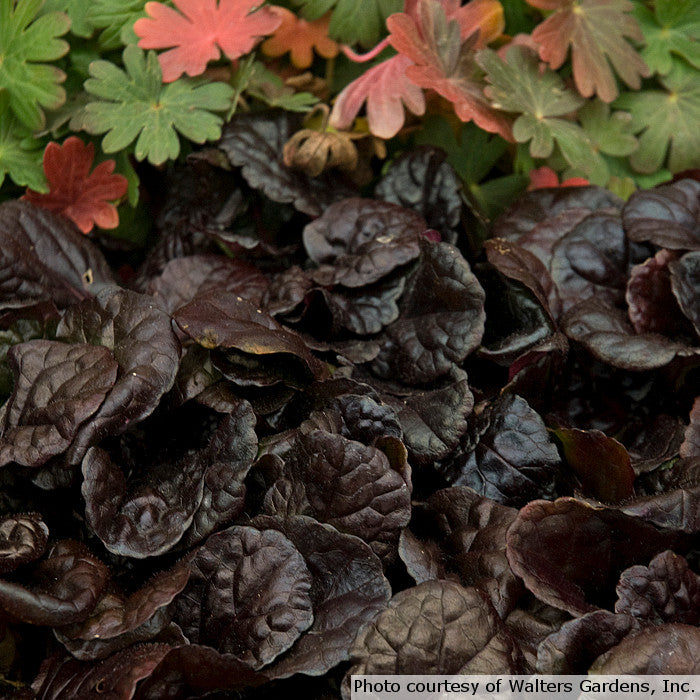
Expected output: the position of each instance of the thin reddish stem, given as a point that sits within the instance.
(364, 57)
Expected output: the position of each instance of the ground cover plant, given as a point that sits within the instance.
(346, 337)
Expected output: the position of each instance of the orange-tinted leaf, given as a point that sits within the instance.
(444, 63)
(595, 30)
(82, 196)
(201, 30)
(386, 89)
(300, 37)
(546, 177)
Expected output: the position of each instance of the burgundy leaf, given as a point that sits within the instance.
(685, 283)
(23, 538)
(691, 444)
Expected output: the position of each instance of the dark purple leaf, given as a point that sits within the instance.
(183, 279)
(667, 215)
(286, 291)
(470, 532)
(120, 620)
(225, 606)
(228, 321)
(608, 335)
(424, 559)
(144, 520)
(652, 308)
(685, 283)
(436, 627)
(115, 678)
(601, 464)
(194, 671)
(667, 650)
(434, 420)
(570, 554)
(254, 142)
(573, 648)
(650, 443)
(691, 444)
(513, 461)
(141, 338)
(665, 591)
(61, 589)
(58, 387)
(441, 322)
(44, 258)
(23, 538)
(533, 207)
(423, 180)
(354, 487)
(348, 589)
(358, 241)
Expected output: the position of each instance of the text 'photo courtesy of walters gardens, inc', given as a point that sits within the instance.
(535, 687)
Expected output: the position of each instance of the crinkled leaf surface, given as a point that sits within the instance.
(44, 258)
(597, 32)
(441, 321)
(514, 459)
(666, 590)
(134, 105)
(691, 443)
(224, 606)
(358, 241)
(664, 650)
(685, 283)
(434, 420)
(607, 334)
(62, 588)
(255, 143)
(184, 278)
(348, 588)
(667, 215)
(119, 620)
(571, 554)
(115, 677)
(423, 180)
(572, 648)
(58, 387)
(140, 336)
(354, 488)
(23, 538)
(435, 627)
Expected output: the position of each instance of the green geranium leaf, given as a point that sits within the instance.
(20, 154)
(136, 106)
(266, 86)
(77, 10)
(26, 41)
(611, 133)
(117, 20)
(666, 121)
(541, 99)
(353, 21)
(672, 28)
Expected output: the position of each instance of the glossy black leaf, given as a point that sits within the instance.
(143, 343)
(357, 241)
(441, 321)
(44, 258)
(58, 388)
(254, 142)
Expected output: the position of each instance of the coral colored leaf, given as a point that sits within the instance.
(671, 29)
(443, 63)
(595, 30)
(25, 43)
(386, 89)
(82, 196)
(136, 106)
(201, 30)
(300, 37)
(668, 121)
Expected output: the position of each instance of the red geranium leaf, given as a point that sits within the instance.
(595, 30)
(201, 30)
(433, 41)
(82, 196)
